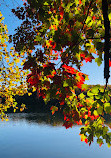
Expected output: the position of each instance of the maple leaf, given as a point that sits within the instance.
(67, 124)
(86, 140)
(82, 55)
(53, 109)
(62, 103)
(93, 18)
(69, 69)
(100, 144)
(80, 2)
(89, 59)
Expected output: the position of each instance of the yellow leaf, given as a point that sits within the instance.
(22, 63)
(6, 119)
(21, 109)
(34, 89)
(83, 137)
(11, 99)
(29, 94)
(23, 105)
(14, 110)
(17, 60)
(109, 16)
(11, 64)
(0, 14)
(12, 48)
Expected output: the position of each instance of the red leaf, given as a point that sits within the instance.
(93, 18)
(82, 55)
(54, 108)
(65, 117)
(80, 2)
(86, 140)
(100, 144)
(62, 103)
(67, 124)
(109, 63)
(79, 122)
(69, 69)
(89, 59)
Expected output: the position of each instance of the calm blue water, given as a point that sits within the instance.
(24, 137)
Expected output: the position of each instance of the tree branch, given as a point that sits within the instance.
(87, 14)
(107, 40)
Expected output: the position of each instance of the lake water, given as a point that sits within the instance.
(38, 136)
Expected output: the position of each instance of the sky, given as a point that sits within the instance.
(96, 74)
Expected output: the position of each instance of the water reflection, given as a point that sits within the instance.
(43, 118)
(35, 135)
(87, 132)
(39, 118)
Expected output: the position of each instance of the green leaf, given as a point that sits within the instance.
(107, 98)
(99, 121)
(81, 96)
(88, 44)
(77, 2)
(88, 20)
(109, 145)
(98, 61)
(100, 102)
(89, 93)
(99, 141)
(99, 96)
(3, 40)
(95, 89)
(105, 130)
(68, 6)
(65, 84)
(83, 110)
(95, 113)
(84, 86)
(109, 16)
(38, 38)
(46, 3)
(107, 107)
(100, 110)
(101, 89)
(83, 2)
(74, 102)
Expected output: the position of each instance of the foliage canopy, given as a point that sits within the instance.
(53, 37)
